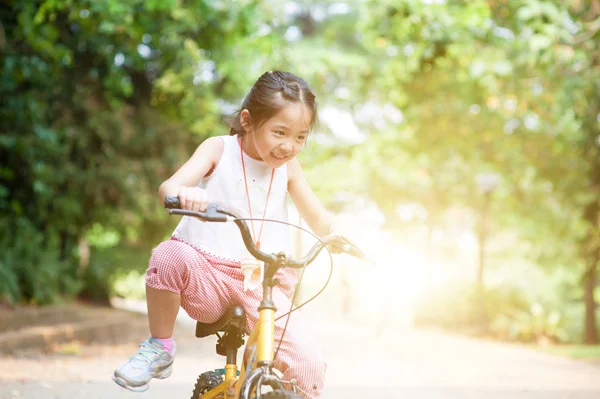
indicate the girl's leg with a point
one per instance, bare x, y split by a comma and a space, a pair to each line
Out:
300, 356
163, 306
179, 275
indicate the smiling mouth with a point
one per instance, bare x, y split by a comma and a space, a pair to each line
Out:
279, 157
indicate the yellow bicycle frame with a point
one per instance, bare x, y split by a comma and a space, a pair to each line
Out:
259, 348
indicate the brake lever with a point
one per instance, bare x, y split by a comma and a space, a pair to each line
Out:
353, 250
346, 246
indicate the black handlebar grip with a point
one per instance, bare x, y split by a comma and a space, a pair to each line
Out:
172, 203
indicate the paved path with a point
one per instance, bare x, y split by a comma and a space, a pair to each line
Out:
403, 363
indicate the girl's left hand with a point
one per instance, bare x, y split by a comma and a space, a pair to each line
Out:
345, 245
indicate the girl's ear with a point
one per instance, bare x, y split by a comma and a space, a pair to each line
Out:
245, 121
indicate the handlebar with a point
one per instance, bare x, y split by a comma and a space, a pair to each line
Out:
216, 213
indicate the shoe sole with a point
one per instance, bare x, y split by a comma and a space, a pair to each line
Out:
142, 388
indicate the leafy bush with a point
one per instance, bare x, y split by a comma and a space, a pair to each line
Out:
30, 269
535, 325
503, 312
114, 270
130, 285
86, 140
461, 307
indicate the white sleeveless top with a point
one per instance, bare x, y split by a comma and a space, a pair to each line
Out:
226, 186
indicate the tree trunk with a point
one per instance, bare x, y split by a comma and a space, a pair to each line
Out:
591, 248
591, 243
482, 238
591, 255
590, 335
591, 214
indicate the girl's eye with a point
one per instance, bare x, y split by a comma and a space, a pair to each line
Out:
279, 133
301, 138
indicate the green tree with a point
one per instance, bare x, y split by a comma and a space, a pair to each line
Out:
502, 87
100, 101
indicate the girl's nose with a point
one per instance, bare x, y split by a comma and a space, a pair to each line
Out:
286, 146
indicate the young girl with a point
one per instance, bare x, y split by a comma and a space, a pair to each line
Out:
198, 269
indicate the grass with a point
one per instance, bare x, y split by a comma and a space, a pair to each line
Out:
583, 352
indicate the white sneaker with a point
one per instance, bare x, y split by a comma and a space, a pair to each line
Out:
150, 361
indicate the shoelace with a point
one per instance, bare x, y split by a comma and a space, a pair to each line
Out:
146, 349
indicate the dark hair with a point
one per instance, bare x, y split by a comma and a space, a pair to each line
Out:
272, 92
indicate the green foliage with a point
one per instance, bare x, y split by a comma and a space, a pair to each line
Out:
500, 87
33, 276
535, 325
101, 101
504, 312
113, 268
575, 351
130, 284
462, 307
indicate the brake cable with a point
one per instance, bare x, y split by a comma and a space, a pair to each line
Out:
292, 300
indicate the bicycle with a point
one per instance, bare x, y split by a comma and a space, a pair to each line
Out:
257, 364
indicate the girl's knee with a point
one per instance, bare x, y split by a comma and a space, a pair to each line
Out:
309, 374
168, 266
309, 365
315, 365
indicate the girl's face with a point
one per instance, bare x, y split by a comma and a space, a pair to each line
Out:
281, 137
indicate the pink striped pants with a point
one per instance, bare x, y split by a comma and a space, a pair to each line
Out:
209, 286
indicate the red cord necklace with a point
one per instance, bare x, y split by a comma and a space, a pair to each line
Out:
248, 196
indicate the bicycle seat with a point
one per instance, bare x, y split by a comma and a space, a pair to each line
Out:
235, 317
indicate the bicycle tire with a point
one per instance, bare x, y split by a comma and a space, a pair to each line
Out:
206, 382
280, 394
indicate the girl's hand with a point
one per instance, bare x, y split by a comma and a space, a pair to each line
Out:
193, 199
345, 245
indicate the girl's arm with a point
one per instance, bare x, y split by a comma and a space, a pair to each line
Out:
204, 159
312, 211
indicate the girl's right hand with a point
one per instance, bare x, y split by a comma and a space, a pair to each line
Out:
193, 199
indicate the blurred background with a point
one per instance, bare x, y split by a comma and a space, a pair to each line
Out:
459, 141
